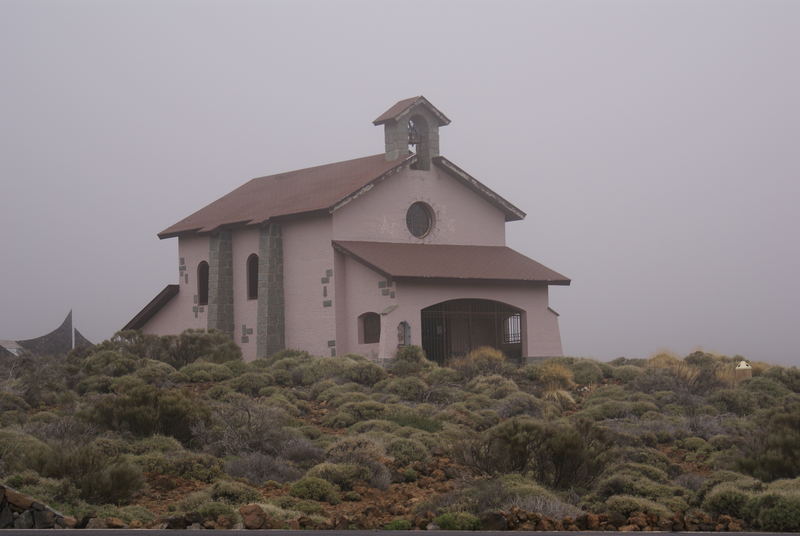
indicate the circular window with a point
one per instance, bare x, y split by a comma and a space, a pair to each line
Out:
419, 219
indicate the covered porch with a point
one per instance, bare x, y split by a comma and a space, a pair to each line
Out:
453, 328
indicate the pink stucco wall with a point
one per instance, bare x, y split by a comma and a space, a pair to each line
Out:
178, 314
462, 216
364, 294
540, 335
244, 243
307, 255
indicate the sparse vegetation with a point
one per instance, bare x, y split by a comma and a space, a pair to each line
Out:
142, 427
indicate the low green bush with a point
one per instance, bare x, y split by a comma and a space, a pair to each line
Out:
483, 361
213, 510
626, 373
586, 372
726, 499
494, 386
344, 475
405, 451
398, 524
364, 373
235, 493
774, 511
407, 388
203, 371
315, 489
184, 464
409, 360
110, 363
250, 383
457, 521
627, 505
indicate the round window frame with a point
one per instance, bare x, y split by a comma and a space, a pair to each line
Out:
431, 216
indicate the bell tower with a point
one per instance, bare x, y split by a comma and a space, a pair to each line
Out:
412, 126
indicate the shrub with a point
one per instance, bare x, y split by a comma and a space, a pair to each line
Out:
115, 483
398, 524
482, 361
203, 371
156, 443
626, 373
155, 372
494, 386
407, 388
354, 450
18, 448
442, 376
344, 475
405, 451
774, 451
100, 477
250, 383
315, 489
413, 419
457, 521
234, 493
409, 360
519, 403
185, 464
550, 375
556, 454
213, 510
774, 511
627, 505
364, 373
586, 372
146, 410
110, 363
258, 468
192, 345
11, 402
727, 499
366, 410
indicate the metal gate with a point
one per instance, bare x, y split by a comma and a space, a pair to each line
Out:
456, 327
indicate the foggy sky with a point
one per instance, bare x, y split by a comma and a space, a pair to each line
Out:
654, 146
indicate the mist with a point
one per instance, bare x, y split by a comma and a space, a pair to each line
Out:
653, 145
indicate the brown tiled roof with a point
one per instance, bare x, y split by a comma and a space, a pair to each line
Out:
155, 305
295, 192
440, 261
401, 106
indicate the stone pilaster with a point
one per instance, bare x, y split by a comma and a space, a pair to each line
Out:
271, 323
220, 282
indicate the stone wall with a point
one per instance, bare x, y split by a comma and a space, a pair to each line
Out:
220, 282
18, 511
271, 322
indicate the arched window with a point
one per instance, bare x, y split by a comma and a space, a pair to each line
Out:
403, 334
418, 138
202, 283
369, 328
252, 277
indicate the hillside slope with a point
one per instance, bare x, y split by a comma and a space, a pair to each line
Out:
176, 431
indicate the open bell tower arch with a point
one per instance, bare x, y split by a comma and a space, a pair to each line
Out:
412, 125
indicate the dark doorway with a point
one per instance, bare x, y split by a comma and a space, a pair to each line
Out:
456, 327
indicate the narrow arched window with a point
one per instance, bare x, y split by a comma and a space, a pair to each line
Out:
202, 283
369, 328
403, 333
252, 277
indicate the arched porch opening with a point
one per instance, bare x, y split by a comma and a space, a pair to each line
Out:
453, 328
